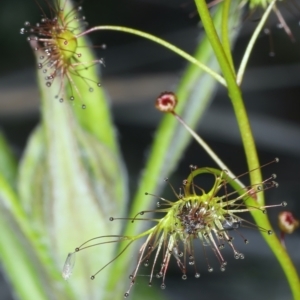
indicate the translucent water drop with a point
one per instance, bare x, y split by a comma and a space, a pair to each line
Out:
68, 266
162, 286
83, 106
197, 275
91, 90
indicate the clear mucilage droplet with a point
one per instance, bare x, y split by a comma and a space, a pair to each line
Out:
68, 266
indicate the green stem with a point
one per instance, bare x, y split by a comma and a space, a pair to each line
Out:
234, 93
251, 43
248, 142
163, 43
225, 32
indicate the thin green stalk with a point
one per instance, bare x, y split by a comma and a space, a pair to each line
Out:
163, 43
234, 93
245, 59
225, 32
248, 142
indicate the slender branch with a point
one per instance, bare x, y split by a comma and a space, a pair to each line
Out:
234, 94
225, 32
161, 42
245, 59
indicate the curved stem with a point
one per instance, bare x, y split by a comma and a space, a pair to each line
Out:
209, 151
251, 43
163, 43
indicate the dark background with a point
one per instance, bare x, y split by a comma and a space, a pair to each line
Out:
136, 72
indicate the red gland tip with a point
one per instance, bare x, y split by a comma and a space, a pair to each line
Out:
166, 102
287, 222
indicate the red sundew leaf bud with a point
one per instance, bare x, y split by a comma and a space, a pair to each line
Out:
287, 222
166, 102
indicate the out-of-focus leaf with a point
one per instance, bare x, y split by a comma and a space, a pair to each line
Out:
8, 163
72, 180
17, 244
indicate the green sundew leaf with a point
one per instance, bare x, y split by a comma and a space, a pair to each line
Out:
8, 163
195, 92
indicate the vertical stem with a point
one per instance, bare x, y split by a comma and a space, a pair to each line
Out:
248, 142
225, 33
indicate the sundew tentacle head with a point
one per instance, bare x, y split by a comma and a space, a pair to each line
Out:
207, 217
56, 41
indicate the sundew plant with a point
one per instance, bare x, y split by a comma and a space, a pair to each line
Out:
66, 230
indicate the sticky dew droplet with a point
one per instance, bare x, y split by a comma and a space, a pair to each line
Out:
68, 266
